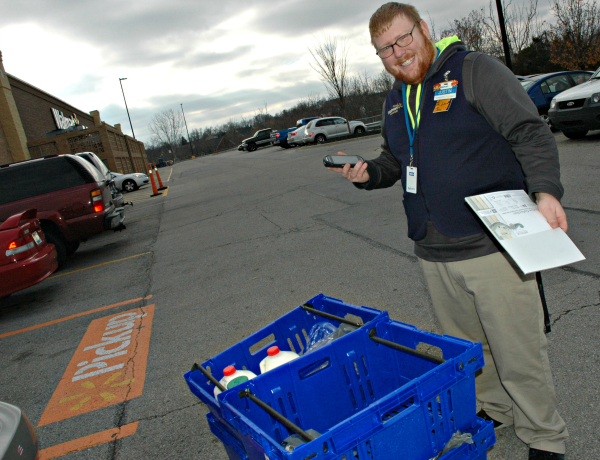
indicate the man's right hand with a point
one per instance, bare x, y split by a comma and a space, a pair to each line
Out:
357, 174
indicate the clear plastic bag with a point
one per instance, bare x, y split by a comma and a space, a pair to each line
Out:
324, 333
457, 439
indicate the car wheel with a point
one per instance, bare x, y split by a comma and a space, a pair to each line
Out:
251, 147
359, 131
575, 134
285, 145
130, 185
71, 247
59, 243
320, 139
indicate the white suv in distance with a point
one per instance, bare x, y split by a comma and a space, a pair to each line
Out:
320, 130
577, 110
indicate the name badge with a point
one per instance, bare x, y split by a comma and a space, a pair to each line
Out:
445, 90
411, 179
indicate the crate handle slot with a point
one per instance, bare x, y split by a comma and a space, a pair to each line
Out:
277, 416
309, 308
213, 380
313, 368
420, 354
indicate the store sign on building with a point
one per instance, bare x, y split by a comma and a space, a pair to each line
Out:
63, 122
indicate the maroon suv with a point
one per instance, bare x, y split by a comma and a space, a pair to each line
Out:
72, 198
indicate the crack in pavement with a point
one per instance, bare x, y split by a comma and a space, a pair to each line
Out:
581, 272
370, 241
566, 312
152, 417
120, 414
269, 220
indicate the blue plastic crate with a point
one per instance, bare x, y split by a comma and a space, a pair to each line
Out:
290, 332
234, 449
366, 399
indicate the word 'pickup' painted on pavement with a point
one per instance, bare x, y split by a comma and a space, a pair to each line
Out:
108, 367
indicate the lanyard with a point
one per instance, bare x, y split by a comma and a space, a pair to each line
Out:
413, 127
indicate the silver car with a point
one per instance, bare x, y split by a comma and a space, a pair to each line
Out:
320, 130
129, 182
296, 137
577, 110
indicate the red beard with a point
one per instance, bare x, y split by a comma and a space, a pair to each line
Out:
426, 56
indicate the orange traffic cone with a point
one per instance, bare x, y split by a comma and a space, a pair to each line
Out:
156, 192
162, 187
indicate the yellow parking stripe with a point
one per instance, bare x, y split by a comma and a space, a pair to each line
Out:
100, 265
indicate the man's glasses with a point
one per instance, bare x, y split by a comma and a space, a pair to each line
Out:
403, 41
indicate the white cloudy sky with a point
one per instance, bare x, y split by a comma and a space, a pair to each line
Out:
221, 59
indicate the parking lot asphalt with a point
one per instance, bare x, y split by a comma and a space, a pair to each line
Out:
238, 240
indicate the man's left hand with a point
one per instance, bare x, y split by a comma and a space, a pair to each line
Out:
552, 210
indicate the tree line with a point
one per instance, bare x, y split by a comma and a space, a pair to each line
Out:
571, 42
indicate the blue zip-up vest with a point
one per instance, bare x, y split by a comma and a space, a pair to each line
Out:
457, 154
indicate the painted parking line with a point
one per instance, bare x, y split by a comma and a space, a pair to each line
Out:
88, 441
108, 367
99, 265
66, 318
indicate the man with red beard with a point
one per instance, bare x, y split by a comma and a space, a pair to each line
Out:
458, 124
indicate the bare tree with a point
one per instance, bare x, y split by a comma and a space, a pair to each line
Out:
522, 24
576, 35
331, 63
472, 31
382, 83
167, 129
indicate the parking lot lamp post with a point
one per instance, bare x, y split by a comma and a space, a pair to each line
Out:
126, 108
186, 129
503, 33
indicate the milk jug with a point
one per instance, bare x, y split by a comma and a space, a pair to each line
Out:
232, 377
275, 358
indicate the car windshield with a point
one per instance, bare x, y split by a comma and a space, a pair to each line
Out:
596, 75
526, 83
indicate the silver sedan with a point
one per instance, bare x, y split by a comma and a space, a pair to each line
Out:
129, 182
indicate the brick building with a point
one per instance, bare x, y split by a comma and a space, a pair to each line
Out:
34, 124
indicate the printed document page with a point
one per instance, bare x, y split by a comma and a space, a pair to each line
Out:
516, 223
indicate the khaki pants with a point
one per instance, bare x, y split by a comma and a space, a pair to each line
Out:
487, 300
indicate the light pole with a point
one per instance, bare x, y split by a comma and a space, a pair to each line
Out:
120, 80
186, 130
504, 36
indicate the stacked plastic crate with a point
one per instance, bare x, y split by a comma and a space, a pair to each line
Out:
386, 390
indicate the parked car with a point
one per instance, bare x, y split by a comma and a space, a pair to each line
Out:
261, 138
26, 258
542, 88
72, 199
94, 159
320, 130
18, 439
296, 137
281, 137
577, 110
129, 182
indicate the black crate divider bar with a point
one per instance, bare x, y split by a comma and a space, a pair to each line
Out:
268, 409
420, 354
276, 415
309, 308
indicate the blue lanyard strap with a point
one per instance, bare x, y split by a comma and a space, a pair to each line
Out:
412, 131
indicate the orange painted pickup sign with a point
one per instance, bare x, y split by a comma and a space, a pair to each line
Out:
108, 367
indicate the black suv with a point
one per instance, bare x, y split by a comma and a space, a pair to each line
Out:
72, 198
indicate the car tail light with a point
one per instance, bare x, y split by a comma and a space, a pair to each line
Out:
276, 135
293, 134
97, 200
310, 135
19, 245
